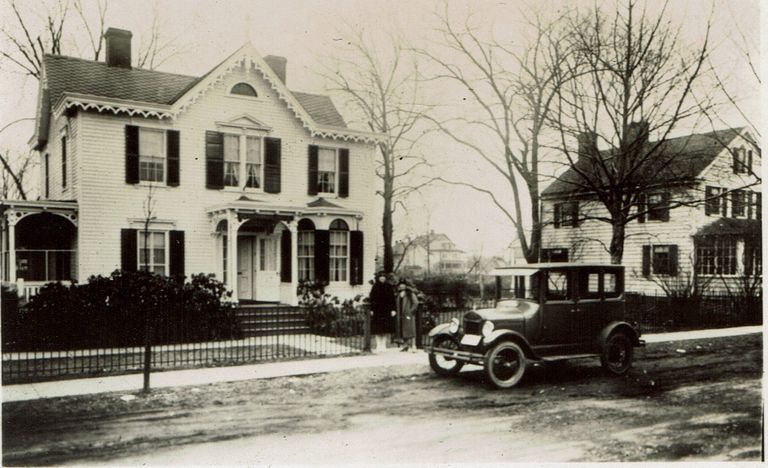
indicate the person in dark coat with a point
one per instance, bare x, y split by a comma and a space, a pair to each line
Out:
405, 319
382, 299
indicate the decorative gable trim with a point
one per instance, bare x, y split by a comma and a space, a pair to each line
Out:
116, 106
248, 57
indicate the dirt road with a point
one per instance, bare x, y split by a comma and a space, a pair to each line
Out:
691, 400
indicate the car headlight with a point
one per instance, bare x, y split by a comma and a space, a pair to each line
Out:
487, 328
454, 326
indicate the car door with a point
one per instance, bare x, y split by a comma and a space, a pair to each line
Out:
560, 314
590, 304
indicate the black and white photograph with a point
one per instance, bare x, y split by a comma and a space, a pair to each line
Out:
381, 233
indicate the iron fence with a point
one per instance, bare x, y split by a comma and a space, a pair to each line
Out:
263, 334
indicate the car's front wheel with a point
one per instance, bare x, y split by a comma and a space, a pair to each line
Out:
617, 354
443, 365
505, 364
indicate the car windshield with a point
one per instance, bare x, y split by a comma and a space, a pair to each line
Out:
520, 286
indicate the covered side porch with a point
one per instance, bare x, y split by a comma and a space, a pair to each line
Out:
38, 241
263, 250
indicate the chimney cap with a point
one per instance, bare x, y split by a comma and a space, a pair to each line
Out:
118, 32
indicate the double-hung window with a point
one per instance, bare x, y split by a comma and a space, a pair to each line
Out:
152, 252
738, 203
326, 170
253, 162
339, 250
658, 206
712, 202
231, 160
151, 155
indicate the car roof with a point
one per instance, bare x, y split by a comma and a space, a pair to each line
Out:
512, 269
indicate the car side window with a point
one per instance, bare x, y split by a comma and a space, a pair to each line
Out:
611, 285
589, 285
557, 286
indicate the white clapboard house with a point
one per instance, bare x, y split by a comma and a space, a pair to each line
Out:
715, 239
258, 184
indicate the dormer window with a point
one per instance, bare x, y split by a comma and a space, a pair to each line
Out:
742, 161
244, 89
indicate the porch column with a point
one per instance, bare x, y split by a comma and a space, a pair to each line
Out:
11, 246
232, 227
293, 228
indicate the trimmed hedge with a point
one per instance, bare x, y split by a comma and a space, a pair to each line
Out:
115, 311
330, 316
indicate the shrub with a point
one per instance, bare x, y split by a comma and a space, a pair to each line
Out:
448, 291
330, 316
116, 310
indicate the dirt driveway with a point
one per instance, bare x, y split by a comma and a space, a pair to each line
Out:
691, 400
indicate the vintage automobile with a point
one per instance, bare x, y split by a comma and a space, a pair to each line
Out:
544, 312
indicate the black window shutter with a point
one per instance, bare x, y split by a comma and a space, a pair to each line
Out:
758, 205
356, 257
176, 253
322, 263
664, 212
131, 154
641, 208
214, 160
735, 153
749, 204
272, 150
312, 173
724, 201
673, 260
749, 163
709, 202
285, 256
646, 260
558, 207
343, 173
575, 214
128, 252
64, 162
172, 147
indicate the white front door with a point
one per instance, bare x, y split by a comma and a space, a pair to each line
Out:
245, 267
267, 275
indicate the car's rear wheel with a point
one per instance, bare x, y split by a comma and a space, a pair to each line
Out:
505, 364
617, 354
443, 365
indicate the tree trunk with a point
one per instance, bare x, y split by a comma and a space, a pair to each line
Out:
617, 242
386, 228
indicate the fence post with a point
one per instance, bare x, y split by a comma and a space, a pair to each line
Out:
366, 328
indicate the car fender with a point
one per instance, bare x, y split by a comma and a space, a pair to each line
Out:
441, 329
511, 335
619, 326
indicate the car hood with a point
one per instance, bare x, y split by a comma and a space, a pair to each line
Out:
506, 310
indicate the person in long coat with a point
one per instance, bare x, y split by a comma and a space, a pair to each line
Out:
382, 299
405, 319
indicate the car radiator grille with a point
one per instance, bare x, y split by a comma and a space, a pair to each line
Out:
472, 327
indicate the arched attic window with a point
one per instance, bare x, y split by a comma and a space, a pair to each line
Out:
339, 250
244, 89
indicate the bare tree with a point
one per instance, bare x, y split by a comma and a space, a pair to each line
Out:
382, 87
27, 43
149, 216
95, 31
512, 91
629, 76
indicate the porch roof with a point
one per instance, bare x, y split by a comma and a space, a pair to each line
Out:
56, 206
731, 227
246, 205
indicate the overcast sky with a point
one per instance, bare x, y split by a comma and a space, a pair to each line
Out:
303, 31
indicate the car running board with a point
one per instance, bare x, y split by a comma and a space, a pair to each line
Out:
569, 356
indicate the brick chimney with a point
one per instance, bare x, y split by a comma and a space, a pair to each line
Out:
637, 133
587, 143
278, 65
118, 50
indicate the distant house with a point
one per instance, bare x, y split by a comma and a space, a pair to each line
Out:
429, 254
716, 243
258, 184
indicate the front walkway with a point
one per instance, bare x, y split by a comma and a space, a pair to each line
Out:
133, 382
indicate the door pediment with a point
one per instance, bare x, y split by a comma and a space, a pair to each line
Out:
245, 122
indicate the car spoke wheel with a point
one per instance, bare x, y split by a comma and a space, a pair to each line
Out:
617, 354
443, 365
505, 364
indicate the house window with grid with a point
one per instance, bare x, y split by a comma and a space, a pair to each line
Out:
326, 170
664, 259
152, 252
339, 248
738, 203
566, 214
253, 162
151, 155
306, 250
658, 206
231, 160
716, 256
712, 203
742, 161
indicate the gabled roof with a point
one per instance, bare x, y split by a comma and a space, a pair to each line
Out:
692, 154
432, 239
159, 92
